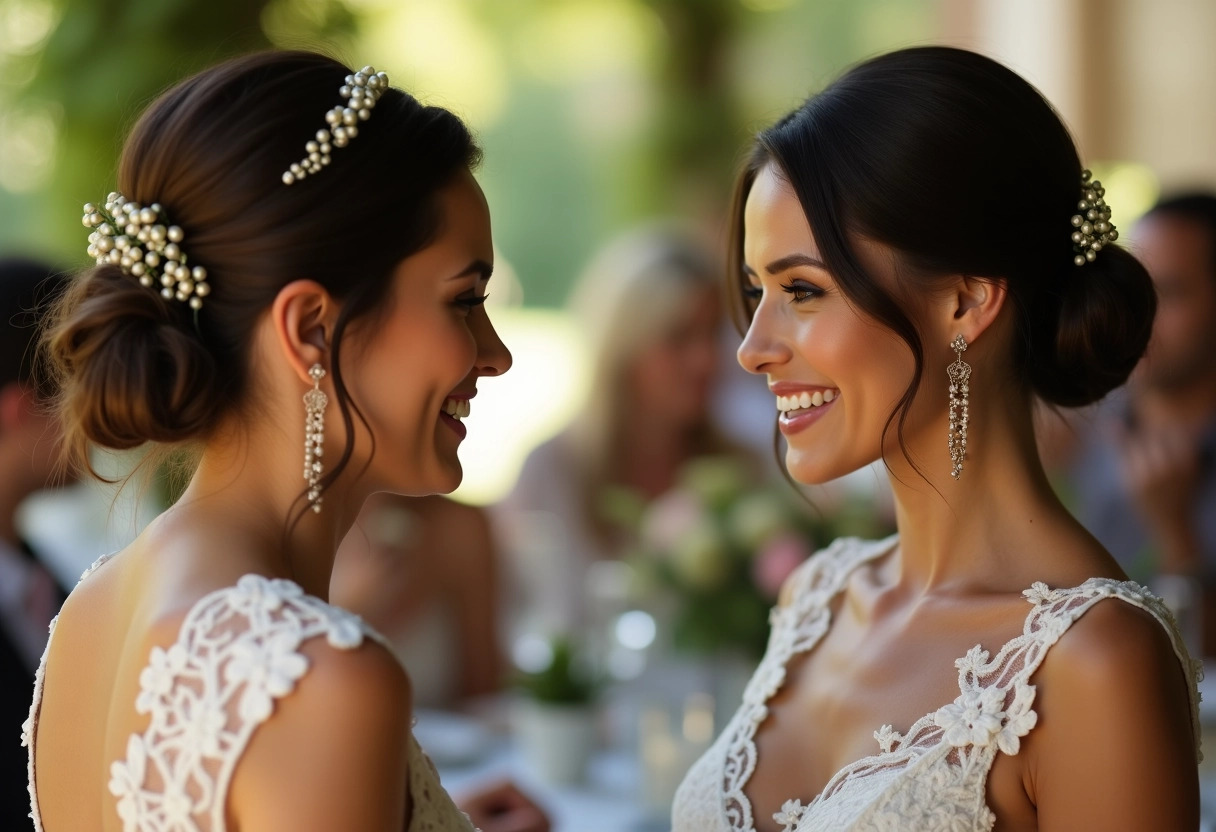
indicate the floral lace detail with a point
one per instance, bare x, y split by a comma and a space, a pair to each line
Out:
433, 810
796, 628
238, 651
887, 736
979, 716
790, 815
934, 776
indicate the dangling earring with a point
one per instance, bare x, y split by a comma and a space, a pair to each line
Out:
315, 401
960, 374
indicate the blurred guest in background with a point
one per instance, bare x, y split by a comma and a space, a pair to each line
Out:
423, 572
649, 306
29, 595
1145, 478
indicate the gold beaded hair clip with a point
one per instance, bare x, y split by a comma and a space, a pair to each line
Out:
133, 237
362, 90
1093, 228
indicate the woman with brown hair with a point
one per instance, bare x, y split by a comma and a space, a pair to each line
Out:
289, 279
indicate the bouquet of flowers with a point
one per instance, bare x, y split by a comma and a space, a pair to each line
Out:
716, 548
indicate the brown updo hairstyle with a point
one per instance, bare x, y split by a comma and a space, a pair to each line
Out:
132, 367
960, 167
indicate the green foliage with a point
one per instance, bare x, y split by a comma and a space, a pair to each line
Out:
102, 64
564, 682
576, 154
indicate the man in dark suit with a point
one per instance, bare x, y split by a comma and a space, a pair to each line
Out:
29, 595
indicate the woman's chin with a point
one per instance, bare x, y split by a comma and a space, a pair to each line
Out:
448, 476
811, 471
443, 477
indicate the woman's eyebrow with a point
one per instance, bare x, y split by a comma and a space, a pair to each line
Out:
792, 260
478, 267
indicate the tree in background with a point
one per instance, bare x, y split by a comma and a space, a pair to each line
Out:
607, 113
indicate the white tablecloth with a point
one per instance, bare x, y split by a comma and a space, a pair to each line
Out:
608, 802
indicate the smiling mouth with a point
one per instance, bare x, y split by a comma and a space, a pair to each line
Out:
796, 403
457, 408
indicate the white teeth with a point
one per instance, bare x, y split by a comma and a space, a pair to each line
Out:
804, 400
457, 408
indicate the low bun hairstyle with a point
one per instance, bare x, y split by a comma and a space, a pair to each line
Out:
1094, 331
130, 372
133, 367
961, 167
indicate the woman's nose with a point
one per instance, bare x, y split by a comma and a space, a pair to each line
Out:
762, 348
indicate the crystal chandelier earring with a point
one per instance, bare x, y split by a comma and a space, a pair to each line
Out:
959, 373
315, 401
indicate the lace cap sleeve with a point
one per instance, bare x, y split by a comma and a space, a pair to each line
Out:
238, 652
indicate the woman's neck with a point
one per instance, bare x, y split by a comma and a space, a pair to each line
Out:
245, 490
975, 533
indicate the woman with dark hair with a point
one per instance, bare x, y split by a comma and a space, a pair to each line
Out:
284, 228
929, 202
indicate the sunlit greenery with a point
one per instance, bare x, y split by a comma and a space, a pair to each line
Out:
594, 114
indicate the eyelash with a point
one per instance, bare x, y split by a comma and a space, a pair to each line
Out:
801, 292
471, 303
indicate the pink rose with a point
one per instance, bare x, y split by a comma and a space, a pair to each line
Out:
670, 519
776, 560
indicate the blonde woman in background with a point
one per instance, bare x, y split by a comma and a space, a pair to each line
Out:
649, 306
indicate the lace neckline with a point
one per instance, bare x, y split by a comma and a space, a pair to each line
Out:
992, 712
810, 608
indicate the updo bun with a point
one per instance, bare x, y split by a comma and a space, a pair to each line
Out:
130, 371
134, 367
1104, 317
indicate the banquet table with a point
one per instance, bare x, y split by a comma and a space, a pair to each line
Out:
607, 801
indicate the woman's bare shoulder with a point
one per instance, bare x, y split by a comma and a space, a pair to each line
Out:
333, 755
1114, 747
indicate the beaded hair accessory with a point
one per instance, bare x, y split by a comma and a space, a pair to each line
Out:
134, 238
1093, 226
363, 90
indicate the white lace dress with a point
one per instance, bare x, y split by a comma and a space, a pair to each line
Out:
237, 652
931, 778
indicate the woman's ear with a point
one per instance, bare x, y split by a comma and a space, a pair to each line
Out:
303, 316
975, 303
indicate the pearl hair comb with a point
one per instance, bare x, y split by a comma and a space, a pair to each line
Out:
134, 238
1092, 226
362, 90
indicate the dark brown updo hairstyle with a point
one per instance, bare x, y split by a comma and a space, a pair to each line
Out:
135, 368
961, 167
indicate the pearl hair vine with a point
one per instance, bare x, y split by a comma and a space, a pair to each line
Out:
1093, 229
137, 240
362, 90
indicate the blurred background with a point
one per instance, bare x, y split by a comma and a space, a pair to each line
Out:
595, 115
626, 568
